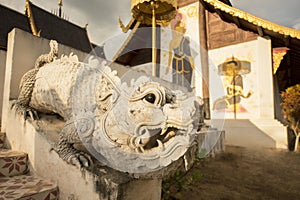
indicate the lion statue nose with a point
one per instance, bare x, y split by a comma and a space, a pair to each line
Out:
181, 113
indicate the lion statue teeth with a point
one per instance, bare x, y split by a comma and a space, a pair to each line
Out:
136, 127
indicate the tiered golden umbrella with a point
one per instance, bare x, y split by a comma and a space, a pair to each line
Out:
153, 12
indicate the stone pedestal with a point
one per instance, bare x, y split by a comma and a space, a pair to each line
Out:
210, 142
37, 139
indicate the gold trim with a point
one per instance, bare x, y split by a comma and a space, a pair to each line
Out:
278, 54
127, 41
154, 6
127, 27
277, 58
28, 12
136, 2
254, 20
165, 11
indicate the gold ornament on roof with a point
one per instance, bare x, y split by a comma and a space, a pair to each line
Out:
278, 54
153, 12
60, 3
142, 10
28, 12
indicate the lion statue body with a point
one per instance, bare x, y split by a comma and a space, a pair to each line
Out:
135, 127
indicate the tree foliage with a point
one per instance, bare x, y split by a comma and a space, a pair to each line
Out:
291, 106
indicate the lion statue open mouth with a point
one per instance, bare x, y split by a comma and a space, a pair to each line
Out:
145, 125
135, 127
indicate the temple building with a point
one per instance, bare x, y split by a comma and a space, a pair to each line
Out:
240, 64
237, 62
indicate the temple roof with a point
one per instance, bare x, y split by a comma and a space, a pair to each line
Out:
136, 49
11, 19
281, 36
41, 23
50, 26
265, 24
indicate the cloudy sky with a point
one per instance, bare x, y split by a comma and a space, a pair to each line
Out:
102, 15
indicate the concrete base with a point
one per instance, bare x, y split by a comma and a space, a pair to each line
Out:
37, 140
266, 133
211, 141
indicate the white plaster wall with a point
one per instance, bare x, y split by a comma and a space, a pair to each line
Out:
191, 20
265, 78
22, 51
191, 12
2, 75
259, 80
256, 127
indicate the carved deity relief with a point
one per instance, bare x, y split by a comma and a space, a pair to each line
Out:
233, 70
180, 57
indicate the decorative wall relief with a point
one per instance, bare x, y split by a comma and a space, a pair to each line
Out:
233, 71
180, 48
180, 53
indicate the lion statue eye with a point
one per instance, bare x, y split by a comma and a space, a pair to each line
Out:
150, 98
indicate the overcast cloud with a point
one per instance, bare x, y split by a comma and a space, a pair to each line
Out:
102, 15
281, 12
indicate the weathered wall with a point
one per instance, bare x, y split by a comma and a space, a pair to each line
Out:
22, 51
257, 78
252, 124
2, 75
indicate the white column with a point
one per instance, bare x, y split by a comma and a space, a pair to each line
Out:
265, 78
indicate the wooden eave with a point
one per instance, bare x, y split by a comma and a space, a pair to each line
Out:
249, 22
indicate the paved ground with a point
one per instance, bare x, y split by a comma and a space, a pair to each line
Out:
239, 173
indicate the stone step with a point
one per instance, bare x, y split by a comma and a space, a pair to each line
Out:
13, 163
2, 140
25, 187
255, 133
267, 122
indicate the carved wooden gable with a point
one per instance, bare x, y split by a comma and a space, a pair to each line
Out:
221, 33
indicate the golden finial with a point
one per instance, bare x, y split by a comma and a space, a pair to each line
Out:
59, 8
